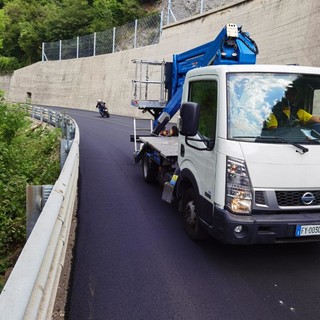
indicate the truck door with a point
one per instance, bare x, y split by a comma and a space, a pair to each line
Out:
205, 92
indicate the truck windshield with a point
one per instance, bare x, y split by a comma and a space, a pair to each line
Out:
264, 107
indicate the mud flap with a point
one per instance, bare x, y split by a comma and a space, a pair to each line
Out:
167, 193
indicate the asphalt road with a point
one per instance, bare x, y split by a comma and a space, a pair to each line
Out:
132, 259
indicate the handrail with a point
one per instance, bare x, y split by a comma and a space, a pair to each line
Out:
31, 289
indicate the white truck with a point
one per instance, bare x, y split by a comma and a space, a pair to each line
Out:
236, 176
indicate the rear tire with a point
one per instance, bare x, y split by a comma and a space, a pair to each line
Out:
191, 209
149, 169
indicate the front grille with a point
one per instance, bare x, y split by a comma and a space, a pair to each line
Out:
293, 198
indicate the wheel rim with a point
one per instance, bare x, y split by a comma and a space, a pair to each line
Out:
191, 215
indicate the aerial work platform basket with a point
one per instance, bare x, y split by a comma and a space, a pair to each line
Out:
150, 88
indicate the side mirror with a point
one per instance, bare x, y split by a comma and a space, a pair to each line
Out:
189, 119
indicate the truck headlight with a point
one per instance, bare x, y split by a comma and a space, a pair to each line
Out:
238, 187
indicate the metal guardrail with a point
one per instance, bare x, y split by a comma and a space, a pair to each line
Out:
31, 289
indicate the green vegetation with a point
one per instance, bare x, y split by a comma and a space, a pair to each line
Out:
26, 24
29, 154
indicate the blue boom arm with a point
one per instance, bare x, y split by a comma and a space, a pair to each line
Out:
231, 46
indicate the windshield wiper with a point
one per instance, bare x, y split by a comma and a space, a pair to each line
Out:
301, 148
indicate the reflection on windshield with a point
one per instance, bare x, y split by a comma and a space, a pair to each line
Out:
267, 104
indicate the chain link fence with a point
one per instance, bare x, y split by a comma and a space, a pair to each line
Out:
138, 33
176, 10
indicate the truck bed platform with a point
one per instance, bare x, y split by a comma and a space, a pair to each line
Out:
166, 146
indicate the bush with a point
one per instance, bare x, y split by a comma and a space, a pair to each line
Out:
8, 65
28, 155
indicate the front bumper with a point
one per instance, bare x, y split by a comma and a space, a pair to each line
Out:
261, 228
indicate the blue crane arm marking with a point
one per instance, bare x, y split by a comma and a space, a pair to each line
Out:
240, 49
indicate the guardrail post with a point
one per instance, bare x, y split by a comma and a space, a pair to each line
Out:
65, 146
49, 117
36, 199
33, 209
33, 112
41, 115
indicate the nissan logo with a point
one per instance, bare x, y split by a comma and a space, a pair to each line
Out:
308, 198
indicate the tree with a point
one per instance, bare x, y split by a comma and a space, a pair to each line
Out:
102, 15
127, 10
1, 26
26, 24
110, 13
70, 19
23, 30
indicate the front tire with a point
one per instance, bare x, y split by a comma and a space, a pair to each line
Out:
192, 224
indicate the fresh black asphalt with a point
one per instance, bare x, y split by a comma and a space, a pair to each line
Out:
133, 261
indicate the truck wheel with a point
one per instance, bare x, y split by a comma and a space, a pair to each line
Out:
192, 224
149, 169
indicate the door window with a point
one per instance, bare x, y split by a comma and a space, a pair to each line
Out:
204, 92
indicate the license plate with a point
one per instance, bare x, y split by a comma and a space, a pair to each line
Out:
307, 230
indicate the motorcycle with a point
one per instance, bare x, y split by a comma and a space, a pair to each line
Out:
104, 112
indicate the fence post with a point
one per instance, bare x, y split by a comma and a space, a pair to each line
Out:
170, 12
77, 47
161, 22
60, 49
201, 7
135, 33
113, 39
94, 43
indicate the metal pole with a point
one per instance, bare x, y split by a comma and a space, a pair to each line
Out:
94, 43
60, 49
201, 7
140, 81
161, 22
77, 47
162, 81
135, 33
114, 39
42, 56
170, 12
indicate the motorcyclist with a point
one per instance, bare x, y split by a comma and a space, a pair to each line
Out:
101, 105
103, 110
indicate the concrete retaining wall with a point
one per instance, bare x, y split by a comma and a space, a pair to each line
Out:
286, 32
5, 83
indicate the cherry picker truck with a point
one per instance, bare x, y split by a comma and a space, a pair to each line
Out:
233, 175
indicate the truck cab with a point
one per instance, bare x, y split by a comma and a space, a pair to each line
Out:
240, 179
